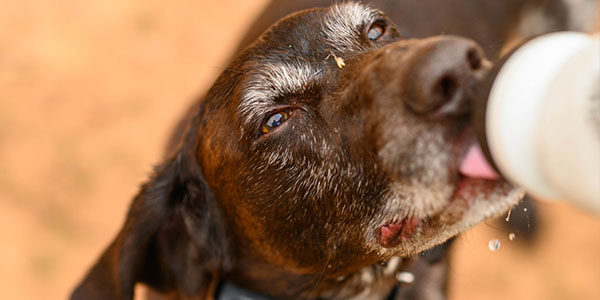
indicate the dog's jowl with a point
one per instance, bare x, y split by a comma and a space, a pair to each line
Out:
319, 163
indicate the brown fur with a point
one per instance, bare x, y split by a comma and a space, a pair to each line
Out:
297, 213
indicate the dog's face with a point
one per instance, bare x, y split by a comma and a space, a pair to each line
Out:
316, 163
330, 144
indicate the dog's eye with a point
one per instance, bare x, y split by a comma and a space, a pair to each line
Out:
376, 31
273, 121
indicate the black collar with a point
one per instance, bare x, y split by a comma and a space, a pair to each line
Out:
229, 291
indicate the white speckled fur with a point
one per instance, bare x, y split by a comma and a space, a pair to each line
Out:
342, 25
271, 81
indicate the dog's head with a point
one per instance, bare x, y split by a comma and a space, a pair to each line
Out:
330, 144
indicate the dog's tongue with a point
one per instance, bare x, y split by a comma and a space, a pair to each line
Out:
475, 165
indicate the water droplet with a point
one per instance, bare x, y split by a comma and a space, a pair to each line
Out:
494, 245
508, 217
405, 277
512, 236
525, 209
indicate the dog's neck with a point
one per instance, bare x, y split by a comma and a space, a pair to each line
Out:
377, 281
229, 291
389, 280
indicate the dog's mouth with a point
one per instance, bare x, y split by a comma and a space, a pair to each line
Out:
476, 180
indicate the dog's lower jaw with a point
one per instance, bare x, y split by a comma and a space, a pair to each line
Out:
471, 204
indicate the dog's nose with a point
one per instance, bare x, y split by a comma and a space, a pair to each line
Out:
442, 75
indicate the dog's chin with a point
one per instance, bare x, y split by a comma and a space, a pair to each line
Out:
472, 200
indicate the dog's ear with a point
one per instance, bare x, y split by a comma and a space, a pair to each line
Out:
173, 239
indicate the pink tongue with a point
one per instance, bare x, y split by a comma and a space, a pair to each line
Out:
475, 165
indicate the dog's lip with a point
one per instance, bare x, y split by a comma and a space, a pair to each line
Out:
470, 187
394, 232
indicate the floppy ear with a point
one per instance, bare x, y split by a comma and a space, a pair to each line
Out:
173, 239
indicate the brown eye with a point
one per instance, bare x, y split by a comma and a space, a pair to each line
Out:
273, 121
376, 31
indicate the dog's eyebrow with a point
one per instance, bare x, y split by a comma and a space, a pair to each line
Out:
341, 25
272, 81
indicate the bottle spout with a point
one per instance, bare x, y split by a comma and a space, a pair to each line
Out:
480, 106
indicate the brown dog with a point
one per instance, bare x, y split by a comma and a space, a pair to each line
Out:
322, 160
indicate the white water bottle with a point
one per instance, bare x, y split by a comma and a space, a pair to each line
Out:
542, 118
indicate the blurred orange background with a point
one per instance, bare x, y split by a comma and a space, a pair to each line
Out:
89, 93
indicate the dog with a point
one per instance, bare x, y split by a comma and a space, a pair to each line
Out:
497, 26
320, 164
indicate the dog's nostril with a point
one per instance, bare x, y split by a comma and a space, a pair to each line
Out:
474, 59
445, 88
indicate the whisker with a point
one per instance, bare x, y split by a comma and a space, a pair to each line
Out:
320, 276
324, 268
494, 227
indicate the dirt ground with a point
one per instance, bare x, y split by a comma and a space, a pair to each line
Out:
89, 91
